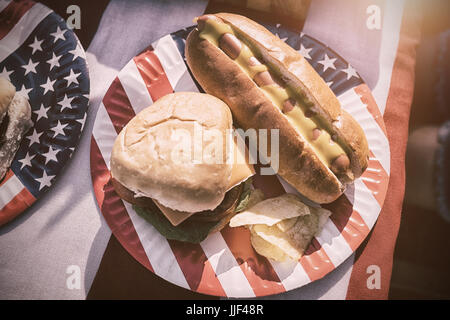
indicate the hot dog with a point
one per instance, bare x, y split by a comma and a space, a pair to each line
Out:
269, 85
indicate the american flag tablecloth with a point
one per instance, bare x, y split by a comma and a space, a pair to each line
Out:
64, 234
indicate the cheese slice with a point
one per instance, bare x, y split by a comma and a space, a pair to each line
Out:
241, 171
175, 217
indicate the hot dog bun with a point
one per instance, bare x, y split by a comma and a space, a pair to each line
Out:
269, 85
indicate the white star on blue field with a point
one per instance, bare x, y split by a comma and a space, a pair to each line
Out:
49, 69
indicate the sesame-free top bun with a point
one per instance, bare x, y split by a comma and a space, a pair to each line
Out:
7, 92
147, 156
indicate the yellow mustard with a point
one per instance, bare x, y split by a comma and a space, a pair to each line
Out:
325, 148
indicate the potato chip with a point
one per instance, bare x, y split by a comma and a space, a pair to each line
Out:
307, 227
293, 236
286, 224
278, 238
271, 211
282, 227
303, 231
267, 249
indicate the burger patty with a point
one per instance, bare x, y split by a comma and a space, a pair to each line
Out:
226, 207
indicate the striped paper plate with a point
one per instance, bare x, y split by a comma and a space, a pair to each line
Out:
225, 264
46, 63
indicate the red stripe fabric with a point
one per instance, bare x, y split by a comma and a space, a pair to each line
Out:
11, 15
378, 249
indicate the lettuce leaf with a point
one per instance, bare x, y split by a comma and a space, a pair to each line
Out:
188, 230
245, 196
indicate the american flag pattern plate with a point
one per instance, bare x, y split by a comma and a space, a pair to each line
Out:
46, 63
225, 264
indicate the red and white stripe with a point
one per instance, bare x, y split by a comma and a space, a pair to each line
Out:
27, 15
374, 130
134, 87
14, 197
230, 275
224, 264
173, 64
164, 263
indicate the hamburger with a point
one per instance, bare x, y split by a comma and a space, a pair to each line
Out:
15, 121
155, 166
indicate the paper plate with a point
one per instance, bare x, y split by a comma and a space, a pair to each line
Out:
46, 63
225, 264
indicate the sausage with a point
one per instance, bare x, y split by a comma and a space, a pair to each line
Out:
201, 21
316, 133
230, 45
228, 42
264, 79
334, 138
341, 164
288, 105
